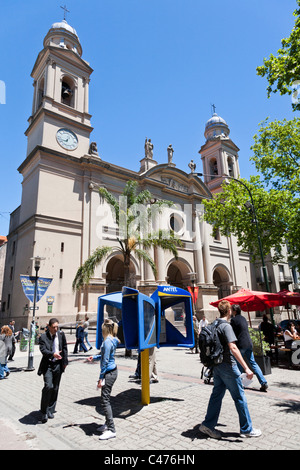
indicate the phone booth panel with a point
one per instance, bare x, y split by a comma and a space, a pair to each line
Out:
139, 320
110, 306
175, 313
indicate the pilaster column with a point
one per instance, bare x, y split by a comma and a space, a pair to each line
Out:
198, 250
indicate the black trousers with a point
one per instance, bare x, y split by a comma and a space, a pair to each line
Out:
51, 385
110, 378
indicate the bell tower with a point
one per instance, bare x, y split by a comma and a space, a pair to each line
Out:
219, 154
60, 118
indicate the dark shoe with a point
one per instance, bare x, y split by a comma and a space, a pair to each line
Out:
50, 415
44, 418
264, 387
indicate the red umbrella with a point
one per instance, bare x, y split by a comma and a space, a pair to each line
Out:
250, 301
289, 297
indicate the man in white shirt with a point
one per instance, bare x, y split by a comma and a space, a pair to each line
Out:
53, 346
203, 322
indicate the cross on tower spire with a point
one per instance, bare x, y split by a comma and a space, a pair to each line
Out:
213, 108
65, 11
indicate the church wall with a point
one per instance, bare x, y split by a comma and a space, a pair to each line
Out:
30, 186
59, 191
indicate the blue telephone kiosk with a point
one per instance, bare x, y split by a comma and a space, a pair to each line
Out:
139, 319
174, 306
113, 304
146, 322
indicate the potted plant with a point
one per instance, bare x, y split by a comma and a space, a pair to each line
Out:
260, 348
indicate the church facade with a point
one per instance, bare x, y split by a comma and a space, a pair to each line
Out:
62, 217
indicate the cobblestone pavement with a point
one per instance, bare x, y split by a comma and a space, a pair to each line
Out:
169, 422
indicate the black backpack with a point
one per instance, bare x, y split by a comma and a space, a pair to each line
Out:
210, 346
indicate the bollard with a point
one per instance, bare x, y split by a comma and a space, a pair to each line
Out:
145, 377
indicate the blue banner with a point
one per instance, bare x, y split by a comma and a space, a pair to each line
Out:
28, 284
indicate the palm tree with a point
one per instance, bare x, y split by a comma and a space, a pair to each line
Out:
136, 237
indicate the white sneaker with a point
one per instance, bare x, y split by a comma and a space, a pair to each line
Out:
102, 428
253, 433
210, 432
107, 435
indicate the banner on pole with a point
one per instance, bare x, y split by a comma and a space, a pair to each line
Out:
194, 293
28, 284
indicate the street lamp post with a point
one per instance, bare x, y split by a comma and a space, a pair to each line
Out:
37, 265
251, 206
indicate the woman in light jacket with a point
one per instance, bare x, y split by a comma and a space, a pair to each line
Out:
6, 346
108, 375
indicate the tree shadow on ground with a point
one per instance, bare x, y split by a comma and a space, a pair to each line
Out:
291, 385
290, 406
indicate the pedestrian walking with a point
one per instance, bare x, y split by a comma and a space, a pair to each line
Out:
196, 334
245, 345
53, 346
108, 375
13, 350
80, 339
86, 332
202, 323
227, 376
153, 374
6, 341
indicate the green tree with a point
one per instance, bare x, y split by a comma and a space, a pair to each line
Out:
283, 70
136, 234
276, 154
227, 212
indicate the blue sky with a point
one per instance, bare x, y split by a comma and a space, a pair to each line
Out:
158, 67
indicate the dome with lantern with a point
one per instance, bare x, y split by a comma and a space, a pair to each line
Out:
216, 127
63, 35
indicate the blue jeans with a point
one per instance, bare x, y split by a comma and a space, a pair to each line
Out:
3, 368
249, 357
227, 376
86, 339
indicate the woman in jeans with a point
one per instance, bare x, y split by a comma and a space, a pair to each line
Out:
108, 375
7, 339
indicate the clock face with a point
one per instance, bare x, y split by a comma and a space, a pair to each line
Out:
67, 139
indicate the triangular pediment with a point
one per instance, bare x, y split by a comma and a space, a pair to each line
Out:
174, 180
61, 54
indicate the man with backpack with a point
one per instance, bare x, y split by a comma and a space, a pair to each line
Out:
227, 377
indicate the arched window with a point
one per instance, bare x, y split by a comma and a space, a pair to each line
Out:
213, 168
40, 92
230, 164
68, 91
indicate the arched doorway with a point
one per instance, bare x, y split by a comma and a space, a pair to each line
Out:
221, 279
115, 274
177, 274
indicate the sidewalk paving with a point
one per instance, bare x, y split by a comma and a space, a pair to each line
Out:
170, 422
